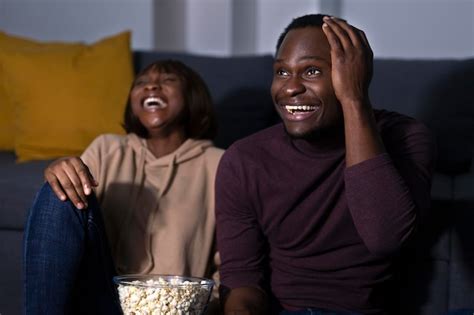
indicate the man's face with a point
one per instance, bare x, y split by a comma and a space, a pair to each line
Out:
302, 88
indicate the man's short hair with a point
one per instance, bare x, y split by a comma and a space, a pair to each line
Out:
314, 20
200, 120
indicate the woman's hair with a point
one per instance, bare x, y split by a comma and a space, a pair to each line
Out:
200, 121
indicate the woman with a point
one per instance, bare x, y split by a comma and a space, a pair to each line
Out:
152, 190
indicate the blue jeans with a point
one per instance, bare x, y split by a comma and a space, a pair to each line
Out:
312, 311
67, 265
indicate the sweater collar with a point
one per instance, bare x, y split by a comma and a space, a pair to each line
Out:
324, 145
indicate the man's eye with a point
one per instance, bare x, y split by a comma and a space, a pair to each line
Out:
281, 72
312, 71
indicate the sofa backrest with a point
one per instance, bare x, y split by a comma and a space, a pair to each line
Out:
439, 93
240, 88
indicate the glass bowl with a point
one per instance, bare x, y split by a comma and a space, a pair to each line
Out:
163, 294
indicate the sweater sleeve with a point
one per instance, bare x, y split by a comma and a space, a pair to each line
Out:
239, 239
389, 194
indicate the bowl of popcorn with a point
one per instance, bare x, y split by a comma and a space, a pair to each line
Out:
163, 294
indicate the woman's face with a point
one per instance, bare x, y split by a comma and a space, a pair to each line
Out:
157, 100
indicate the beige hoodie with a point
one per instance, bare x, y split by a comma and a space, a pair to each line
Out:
158, 212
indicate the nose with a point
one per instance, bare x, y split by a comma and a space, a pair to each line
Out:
152, 85
294, 86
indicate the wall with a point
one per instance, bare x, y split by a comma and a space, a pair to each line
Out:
395, 28
78, 20
416, 28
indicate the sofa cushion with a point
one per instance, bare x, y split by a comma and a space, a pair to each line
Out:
10, 273
15, 43
461, 285
18, 186
442, 186
437, 92
464, 187
67, 98
424, 288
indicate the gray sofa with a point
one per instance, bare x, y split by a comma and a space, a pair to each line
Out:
436, 273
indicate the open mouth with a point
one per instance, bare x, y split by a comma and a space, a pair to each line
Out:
153, 103
296, 109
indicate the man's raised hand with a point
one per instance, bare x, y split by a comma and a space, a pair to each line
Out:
352, 61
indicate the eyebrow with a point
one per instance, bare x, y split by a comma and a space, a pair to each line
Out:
308, 58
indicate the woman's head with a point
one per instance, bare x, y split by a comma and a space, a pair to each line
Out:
168, 95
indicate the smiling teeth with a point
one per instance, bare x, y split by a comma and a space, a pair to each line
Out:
154, 102
299, 108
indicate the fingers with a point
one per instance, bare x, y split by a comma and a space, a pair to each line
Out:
347, 42
78, 189
54, 183
338, 35
215, 289
366, 42
62, 184
216, 275
70, 179
81, 171
351, 60
217, 259
332, 37
343, 35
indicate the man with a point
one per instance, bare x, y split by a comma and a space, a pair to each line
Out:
312, 212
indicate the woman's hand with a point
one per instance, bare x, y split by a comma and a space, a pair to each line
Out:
352, 61
70, 179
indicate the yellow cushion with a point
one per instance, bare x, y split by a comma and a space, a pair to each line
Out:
15, 43
63, 99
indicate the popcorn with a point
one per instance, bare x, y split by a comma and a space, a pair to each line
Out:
160, 295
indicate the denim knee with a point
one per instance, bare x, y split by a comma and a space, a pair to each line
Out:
51, 210
53, 246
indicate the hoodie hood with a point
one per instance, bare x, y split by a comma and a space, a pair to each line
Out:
187, 150
147, 162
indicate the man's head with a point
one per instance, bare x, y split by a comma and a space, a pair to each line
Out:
302, 89
310, 20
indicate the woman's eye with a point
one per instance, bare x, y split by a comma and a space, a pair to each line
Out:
170, 78
139, 82
312, 72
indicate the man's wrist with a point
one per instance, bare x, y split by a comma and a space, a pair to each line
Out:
245, 300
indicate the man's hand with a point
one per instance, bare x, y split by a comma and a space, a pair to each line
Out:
352, 61
245, 301
70, 179
216, 276
352, 64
